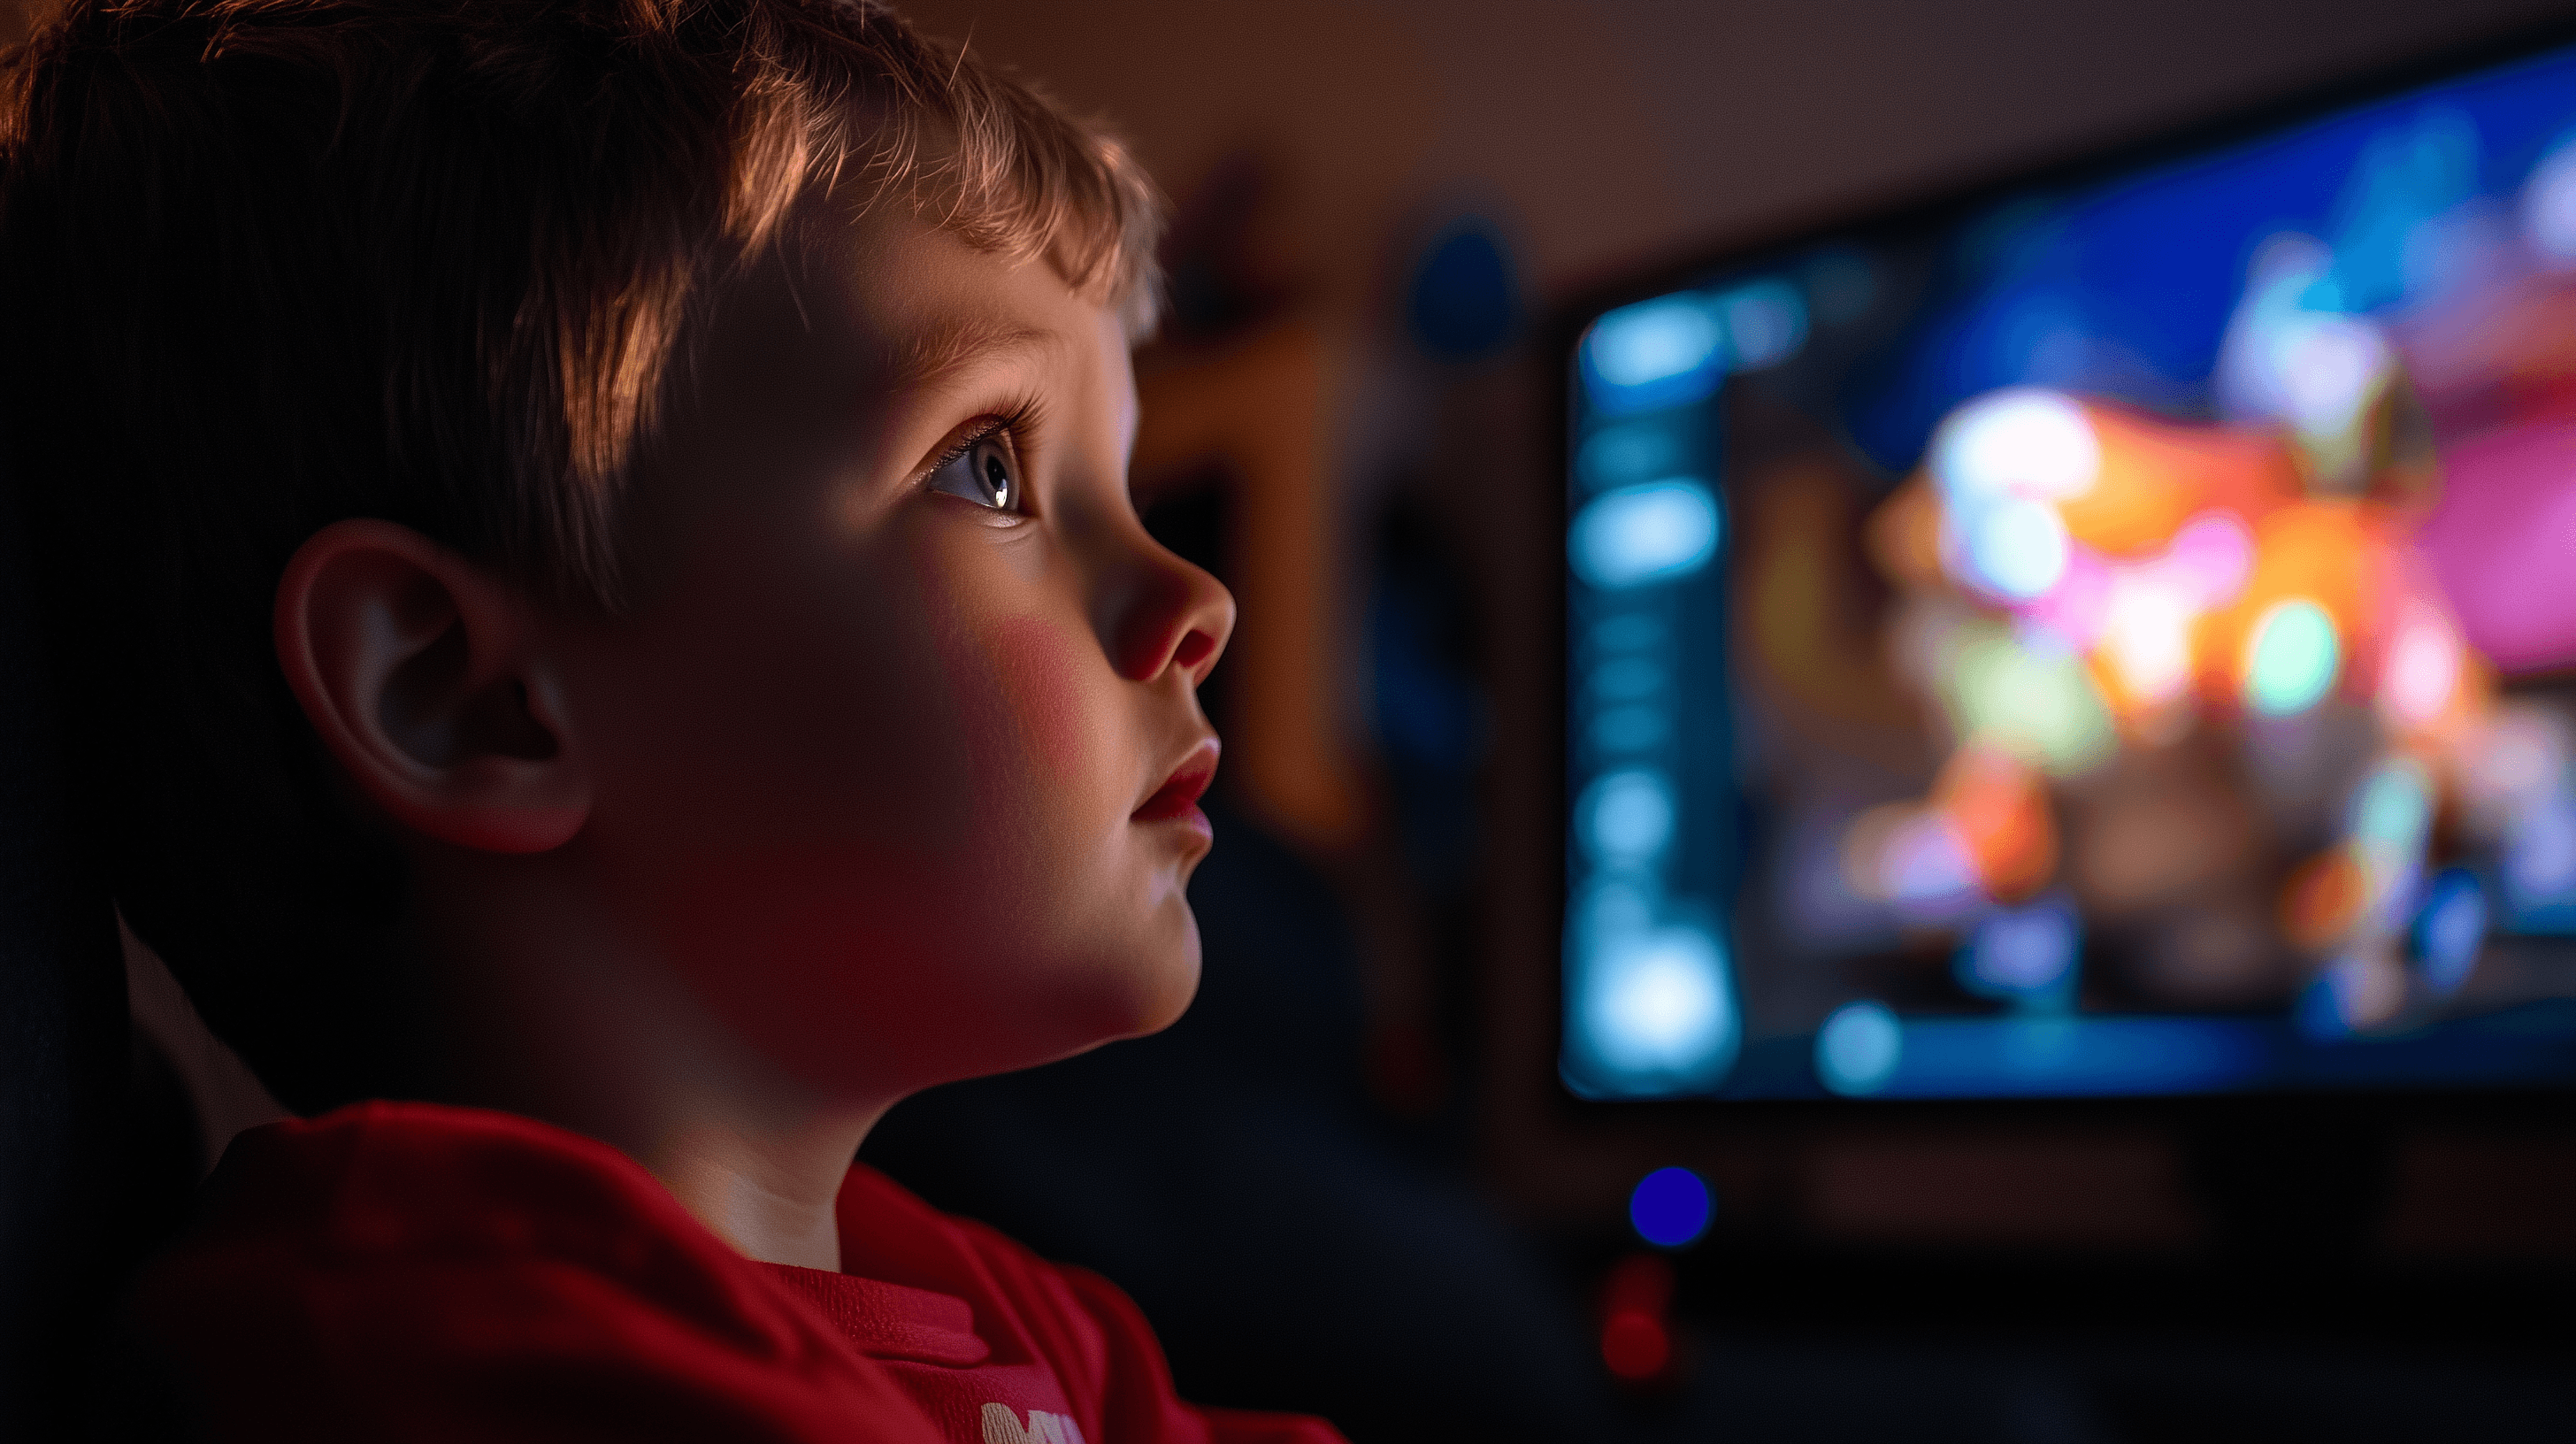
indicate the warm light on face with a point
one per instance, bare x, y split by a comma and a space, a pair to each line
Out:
901, 765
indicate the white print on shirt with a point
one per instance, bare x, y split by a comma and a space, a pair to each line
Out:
1002, 1426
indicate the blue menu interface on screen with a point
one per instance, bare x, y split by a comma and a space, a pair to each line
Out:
2113, 637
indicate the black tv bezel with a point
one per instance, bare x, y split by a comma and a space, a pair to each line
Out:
1927, 208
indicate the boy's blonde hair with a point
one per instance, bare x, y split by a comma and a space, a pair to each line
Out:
272, 263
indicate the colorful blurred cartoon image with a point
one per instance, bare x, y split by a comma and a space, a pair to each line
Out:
2113, 641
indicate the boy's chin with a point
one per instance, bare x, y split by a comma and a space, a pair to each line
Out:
1180, 983
1149, 991
1155, 988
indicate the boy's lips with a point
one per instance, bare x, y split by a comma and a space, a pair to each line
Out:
1179, 795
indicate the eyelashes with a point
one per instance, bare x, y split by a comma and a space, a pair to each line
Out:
957, 450
1022, 417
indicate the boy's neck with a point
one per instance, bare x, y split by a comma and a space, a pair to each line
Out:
771, 1198
552, 1016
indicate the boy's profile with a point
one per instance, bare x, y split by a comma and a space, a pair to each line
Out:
590, 545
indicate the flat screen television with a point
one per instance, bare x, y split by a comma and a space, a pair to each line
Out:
2107, 635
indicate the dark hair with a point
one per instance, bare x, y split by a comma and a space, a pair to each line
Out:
274, 263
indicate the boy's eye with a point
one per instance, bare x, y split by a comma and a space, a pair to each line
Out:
986, 471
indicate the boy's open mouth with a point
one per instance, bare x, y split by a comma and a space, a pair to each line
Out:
1179, 795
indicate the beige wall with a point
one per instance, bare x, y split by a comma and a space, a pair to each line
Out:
1614, 134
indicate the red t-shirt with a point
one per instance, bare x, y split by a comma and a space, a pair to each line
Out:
402, 1271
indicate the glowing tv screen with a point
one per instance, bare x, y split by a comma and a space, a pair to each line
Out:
2108, 636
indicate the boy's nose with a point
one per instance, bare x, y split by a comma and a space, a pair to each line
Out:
1173, 616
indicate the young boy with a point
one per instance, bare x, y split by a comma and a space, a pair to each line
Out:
592, 542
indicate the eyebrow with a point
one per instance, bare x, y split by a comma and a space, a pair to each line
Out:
931, 355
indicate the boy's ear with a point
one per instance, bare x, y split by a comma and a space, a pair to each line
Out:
424, 676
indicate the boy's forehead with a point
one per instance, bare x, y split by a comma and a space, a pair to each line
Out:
935, 306
941, 345
861, 330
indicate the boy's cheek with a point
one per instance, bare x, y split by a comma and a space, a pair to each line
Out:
882, 830
766, 712
1039, 696
1037, 705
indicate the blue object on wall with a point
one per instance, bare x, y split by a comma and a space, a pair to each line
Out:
1464, 302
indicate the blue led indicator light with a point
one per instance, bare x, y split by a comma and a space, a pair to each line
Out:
1670, 1207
